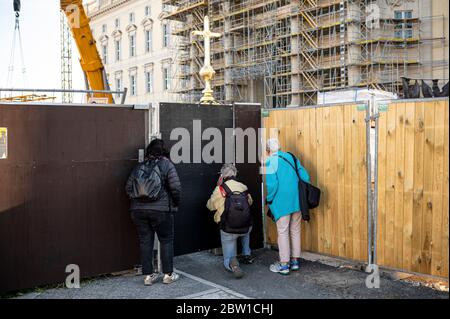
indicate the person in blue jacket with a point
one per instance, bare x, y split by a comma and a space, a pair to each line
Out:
283, 200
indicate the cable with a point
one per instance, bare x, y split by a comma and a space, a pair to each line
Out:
24, 70
17, 34
11, 58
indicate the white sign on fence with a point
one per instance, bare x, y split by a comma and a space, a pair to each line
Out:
3, 143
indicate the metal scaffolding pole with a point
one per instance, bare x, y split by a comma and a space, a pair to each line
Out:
66, 59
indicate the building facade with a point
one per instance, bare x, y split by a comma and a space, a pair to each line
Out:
136, 46
285, 52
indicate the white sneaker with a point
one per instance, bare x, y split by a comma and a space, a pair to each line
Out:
170, 279
280, 268
150, 279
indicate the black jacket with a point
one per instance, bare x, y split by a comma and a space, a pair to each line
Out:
170, 195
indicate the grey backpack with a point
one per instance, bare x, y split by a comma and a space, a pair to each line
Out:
146, 181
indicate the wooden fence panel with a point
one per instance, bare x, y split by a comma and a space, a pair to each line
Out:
413, 187
413, 181
331, 144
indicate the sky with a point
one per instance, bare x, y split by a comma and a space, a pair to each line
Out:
39, 25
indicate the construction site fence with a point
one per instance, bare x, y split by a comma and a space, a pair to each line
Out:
382, 167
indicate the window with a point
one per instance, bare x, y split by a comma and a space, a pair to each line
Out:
105, 53
147, 11
117, 23
166, 35
166, 79
118, 44
133, 85
104, 28
403, 14
148, 40
118, 85
132, 45
131, 17
149, 81
403, 29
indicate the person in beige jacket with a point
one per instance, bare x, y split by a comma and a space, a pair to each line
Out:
216, 203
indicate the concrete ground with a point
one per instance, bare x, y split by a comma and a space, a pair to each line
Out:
203, 276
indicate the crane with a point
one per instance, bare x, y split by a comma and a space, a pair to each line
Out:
90, 60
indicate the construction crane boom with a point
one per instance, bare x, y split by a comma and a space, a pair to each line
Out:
90, 60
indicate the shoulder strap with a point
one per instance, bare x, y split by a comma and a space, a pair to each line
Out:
156, 163
290, 164
295, 162
226, 188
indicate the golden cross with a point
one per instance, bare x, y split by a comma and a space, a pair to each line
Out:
207, 72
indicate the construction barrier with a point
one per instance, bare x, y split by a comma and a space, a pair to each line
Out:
62, 198
331, 144
413, 187
409, 187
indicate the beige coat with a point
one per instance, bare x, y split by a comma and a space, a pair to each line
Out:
217, 200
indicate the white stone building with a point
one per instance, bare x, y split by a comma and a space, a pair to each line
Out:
137, 47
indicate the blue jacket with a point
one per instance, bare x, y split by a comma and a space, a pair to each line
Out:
282, 184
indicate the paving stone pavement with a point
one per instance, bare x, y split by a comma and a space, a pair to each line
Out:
211, 294
202, 276
130, 286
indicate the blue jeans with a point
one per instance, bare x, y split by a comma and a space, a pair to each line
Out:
229, 246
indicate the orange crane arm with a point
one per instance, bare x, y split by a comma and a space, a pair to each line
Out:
90, 60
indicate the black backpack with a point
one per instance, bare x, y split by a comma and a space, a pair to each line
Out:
146, 181
236, 217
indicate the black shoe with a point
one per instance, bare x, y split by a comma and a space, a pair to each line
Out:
248, 260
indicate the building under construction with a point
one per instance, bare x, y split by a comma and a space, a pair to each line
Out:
285, 52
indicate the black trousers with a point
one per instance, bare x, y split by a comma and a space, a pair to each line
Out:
149, 222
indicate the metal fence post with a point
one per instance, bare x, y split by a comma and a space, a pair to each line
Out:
376, 116
369, 183
262, 140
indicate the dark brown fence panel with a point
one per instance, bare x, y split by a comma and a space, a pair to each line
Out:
62, 197
195, 228
248, 117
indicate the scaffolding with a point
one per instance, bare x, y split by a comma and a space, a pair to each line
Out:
66, 59
293, 49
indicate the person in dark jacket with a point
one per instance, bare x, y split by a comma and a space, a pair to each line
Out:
157, 216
